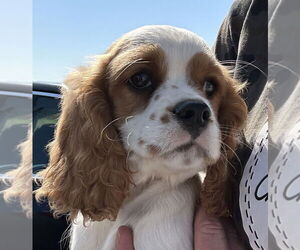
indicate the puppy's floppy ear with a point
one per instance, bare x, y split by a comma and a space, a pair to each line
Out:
87, 169
216, 194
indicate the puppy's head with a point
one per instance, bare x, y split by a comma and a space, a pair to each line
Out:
157, 104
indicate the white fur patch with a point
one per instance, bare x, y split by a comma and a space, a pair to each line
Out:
179, 46
160, 214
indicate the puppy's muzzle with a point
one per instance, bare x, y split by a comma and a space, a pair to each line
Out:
193, 116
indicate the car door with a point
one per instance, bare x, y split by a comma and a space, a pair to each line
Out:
47, 231
15, 120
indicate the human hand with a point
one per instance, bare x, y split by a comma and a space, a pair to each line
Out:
210, 233
124, 238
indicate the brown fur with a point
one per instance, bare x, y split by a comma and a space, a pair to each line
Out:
87, 170
153, 149
165, 118
126, 100
231, 111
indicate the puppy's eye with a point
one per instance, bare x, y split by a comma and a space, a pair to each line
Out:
209, 88
140, 80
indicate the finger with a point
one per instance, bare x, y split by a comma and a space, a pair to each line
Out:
209, 233
234, 240
124, 239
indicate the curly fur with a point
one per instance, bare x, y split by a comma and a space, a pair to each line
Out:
20, 180
87, 172
216, 189
88, 176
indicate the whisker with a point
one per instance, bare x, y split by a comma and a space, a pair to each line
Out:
227, 126
127, 139
224, 126
231, 165
127, 157
101, 134
226, 162
235, 131
285, 67
127, 118
245, 63
65, 237
112, 139
224, 157
232, 152
140, 60
241, 142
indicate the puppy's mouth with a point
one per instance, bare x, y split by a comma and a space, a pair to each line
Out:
185, 148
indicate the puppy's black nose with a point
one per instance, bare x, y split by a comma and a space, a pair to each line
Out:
192, 115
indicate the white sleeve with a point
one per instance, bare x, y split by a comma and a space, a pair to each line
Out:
284, 193
254, 193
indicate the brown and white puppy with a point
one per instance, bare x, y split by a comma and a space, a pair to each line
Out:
136, 128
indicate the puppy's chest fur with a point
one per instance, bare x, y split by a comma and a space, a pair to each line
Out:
160, 216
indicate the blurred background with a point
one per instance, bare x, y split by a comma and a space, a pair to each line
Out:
42, 40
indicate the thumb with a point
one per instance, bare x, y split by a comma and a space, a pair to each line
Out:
209, 232
124, 239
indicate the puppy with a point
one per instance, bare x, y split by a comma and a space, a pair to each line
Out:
136, 128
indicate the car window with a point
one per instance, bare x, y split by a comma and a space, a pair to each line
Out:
15, 117
45, 114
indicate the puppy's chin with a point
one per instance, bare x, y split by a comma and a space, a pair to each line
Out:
182, 148
187, 159
192, 152
173, 170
